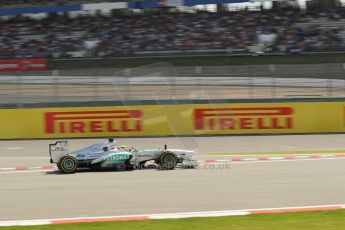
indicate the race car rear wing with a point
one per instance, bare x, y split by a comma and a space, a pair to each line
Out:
58, 150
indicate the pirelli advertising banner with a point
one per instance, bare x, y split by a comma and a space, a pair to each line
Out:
164, 120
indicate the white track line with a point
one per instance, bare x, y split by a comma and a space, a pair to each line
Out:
268, 161
290, 160
24, 157
14, 148
27, 171
5, 169
270, 155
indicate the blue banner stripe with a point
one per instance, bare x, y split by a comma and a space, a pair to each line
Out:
39, 9
154, 3
204, 2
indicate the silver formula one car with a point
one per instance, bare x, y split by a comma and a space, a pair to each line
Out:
109, 155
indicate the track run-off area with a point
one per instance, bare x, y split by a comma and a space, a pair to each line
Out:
31, 188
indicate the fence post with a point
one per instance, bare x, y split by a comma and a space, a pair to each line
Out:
272, 70
19, 93
55, 75
329, 87
342, 74
127, 82
251, 87
95, 87
198, 80
198, 70
329, 70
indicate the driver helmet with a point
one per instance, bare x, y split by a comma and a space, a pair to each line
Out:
124, 147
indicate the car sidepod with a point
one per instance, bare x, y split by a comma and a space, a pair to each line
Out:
118, 160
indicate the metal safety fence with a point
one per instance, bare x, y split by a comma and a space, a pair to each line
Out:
165, 82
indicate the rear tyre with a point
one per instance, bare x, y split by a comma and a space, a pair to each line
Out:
68, 164
168, 160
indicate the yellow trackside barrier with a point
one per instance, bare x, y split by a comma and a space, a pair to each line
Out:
162, 120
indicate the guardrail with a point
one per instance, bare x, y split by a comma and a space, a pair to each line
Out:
165, 82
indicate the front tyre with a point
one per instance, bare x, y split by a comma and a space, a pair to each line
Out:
168, 160
68, 164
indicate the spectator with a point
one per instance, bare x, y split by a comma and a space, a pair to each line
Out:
60, 36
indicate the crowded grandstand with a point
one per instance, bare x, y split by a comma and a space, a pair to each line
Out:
15, 3
165, 31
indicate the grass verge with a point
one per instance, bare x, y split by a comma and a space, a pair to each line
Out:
316, 220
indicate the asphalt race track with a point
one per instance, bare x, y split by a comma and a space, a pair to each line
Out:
39, 194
